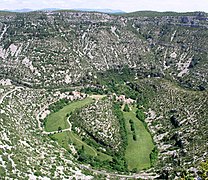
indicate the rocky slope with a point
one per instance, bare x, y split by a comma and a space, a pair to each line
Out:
24, 151
62, 48
98, 121
177, 119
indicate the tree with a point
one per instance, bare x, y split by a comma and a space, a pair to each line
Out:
153, 156
131, 122
134, 170
126, 108
140, 115
59, 129
132, 125
134, 137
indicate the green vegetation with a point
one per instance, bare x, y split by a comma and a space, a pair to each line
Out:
131, 122
157, 14
58, 105
102, 112
204, 170
126, 108
140, 115
153, 156
89, 152
91, 90
93, 121
2, 171
115, 82
137, 152
64, 138
58, 119
123, 132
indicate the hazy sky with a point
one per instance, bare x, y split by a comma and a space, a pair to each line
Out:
125, 5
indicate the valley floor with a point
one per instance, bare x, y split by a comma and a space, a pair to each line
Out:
137, 153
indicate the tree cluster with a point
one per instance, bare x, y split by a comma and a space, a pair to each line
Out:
132, 125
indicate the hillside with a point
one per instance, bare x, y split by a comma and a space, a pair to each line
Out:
52, 62
61, 48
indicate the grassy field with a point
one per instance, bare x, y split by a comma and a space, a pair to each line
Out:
59, 119
68, 137
137, 152
103, 157
64, 138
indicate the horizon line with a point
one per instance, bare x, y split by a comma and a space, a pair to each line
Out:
95, 10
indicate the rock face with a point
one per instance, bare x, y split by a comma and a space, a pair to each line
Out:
60, 48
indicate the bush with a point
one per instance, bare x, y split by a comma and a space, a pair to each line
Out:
37, 173
134, 170
132, 125
59, 129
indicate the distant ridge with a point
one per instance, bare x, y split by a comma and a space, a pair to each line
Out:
30, 10
116, 12
18, 10
110, 11
165, 13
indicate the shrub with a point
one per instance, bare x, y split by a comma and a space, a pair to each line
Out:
134, 170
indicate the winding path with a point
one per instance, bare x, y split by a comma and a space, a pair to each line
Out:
9, 92
69, 129
54, 132
103, 172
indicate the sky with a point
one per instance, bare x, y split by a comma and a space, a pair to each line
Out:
125, 5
